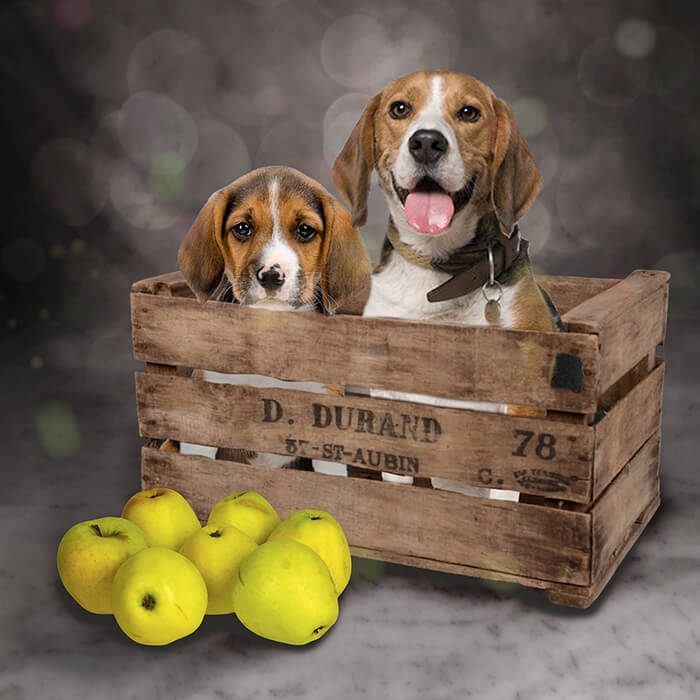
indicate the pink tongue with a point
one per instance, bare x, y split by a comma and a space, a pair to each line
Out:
429, 212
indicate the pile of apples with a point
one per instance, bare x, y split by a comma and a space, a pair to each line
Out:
158, 571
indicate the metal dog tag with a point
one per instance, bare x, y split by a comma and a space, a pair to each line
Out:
492, 311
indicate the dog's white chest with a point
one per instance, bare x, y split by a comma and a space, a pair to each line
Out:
400, 291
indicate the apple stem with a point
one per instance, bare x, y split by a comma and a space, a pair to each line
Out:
96, 528
216, 533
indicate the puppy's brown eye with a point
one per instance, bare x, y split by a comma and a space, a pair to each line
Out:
400, 109
305, 232
468, 113
242, 231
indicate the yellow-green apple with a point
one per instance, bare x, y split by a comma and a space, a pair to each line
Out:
164, 515
158, 596
89, 555
285, 592
248, 511
218, 552
322, 532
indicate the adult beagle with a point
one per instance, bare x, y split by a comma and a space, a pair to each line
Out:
457, 175
274, 239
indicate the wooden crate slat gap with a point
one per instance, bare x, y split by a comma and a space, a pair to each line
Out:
529, 454
366, 352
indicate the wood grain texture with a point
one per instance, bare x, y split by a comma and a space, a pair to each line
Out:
515, 538
169, 284
628, 425
569, 292
584, 596
489, 364
615, 512
630, 337
473, 447
601, 309
566, 292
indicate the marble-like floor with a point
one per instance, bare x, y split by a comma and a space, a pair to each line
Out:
403, 633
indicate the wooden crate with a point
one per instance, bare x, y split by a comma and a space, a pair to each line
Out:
587, 472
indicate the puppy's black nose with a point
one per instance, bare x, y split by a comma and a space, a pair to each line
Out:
270, 277
427, 145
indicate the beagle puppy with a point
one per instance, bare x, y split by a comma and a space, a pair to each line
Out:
273, 239
457, 175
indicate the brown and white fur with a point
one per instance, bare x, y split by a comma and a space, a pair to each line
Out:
482, 152
282, 242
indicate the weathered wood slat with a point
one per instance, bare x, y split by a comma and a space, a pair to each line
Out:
566, 292
631, 336
487, 364
619, 506
628, 425
569, 292
436, 565
619, 517
532, 455
601, 309
583, 596
629, 319
169, 284
519, 539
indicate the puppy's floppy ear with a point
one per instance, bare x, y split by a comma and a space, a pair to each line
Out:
515, 178
200, 258
345, 266
353, 166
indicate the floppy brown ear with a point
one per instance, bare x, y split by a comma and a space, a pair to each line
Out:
200, 258
353, 166
515, 178
345, 266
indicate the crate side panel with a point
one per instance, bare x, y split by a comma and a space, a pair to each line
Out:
532, 455
620, 505
603, 308
569, 292
520, 539
628, 425
506, 366
631, 336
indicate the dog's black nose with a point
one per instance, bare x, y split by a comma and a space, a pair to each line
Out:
270, 277
427, 145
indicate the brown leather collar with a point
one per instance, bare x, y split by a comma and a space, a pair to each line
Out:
468, 265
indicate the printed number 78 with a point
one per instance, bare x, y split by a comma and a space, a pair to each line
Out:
544, 448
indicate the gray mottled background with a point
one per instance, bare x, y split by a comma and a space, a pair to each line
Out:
119, 118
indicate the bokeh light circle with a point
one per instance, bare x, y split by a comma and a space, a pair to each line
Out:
172, 63
354, 49
294, 143
167, 176
221, 158
150, 124
339, 121
531, 115
72, 14
137, 203
57, 429
271, 100
71, 180
635, 38
367, 51
608, 78
23, 259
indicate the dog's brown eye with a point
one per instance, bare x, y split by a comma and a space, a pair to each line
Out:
305, 232
468, 113
242, 231
399, 109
